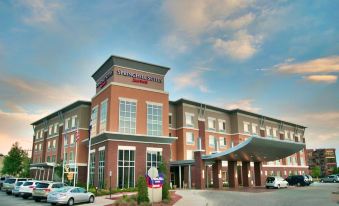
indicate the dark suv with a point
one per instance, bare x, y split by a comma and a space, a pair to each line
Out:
298, 180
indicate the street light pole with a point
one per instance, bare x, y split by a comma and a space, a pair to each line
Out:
110, 184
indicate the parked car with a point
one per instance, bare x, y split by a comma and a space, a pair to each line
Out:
330, 178
2, 180
26, 188
298, 180
8, 185
275, 182
69, 196
42, 189
15, 190
310, 179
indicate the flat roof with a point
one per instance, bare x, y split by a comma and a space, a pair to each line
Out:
114, 60
182, 100
62, 110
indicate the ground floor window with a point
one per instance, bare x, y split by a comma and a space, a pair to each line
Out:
154, 159
101, 169
92, 168
126, 168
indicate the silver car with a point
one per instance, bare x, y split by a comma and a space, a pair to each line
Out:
330, 178
69, 196
15, 190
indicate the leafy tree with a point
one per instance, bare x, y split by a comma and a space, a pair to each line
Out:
16, 162
316, 171
142, 190
166, 186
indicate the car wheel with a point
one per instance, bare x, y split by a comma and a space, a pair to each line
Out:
70, 202
8, 193
267, 187
16, 195
37, 200
53, 203
322, 181
25, 197
91, 199
298, 184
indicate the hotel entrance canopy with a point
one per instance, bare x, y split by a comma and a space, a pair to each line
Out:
258, 149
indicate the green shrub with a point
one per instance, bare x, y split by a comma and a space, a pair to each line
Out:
142, 190
166, 186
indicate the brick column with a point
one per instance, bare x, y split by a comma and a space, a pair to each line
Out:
245, 168
232, 174
201, 126
216, 170
199, 171
257, 173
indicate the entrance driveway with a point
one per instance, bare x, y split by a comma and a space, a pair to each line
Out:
314, 195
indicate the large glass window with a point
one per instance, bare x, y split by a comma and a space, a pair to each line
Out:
126, 167
189, 119
154, 159
222, 125
189, 138
127, 117
222, 141
211, 141
101, 169
92, 168
154, 119
103, 116
211, 123
94, 119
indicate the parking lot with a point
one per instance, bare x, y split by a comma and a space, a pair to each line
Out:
314, 195
9, 200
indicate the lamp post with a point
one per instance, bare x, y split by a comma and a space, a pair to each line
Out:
110, 184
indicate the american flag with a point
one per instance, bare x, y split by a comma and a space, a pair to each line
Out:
77, 135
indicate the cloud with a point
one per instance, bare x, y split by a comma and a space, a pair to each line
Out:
244, 104
41, 11
235, 24
242, 46
321, 65
322, 78
175, 44
192, 79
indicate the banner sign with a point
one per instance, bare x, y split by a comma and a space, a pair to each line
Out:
154, 179
139, 78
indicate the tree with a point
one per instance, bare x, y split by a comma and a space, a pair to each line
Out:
316, 171
16, 162
166, 186
142, 190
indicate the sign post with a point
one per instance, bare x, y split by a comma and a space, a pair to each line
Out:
154, 182
110, 184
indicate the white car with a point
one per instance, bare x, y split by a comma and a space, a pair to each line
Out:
275, 182
26, 189
15, 190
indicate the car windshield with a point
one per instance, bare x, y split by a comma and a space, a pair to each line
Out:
42, 185
10, 181
27, 183
18, 183
270, 179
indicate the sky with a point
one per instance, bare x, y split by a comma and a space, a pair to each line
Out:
276, 58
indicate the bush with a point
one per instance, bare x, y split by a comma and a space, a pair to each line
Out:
126, 200
142, 190
166, 186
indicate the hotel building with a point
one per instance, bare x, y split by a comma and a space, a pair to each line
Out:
134, 126
323, 158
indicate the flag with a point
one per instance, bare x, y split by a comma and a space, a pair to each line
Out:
77, 135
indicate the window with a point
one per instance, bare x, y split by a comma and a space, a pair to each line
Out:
222, 125
74, 121
126, 167
66, 157
54, 143
268, 131
189, 155
94, 119
189, 119
36, 147
71, 157
211, 123
274, 132
246, 129
211, 141
170, 120
55, 128
254, 128
277, 162
72, 139
53, 158
49, 144
222, 141
48, 159
40, 146
65, 140
189, 138
286, 134
288, 160
103, 116
292, 136
154, 158
92, 168
154, 119
127, 117
101, 169
302, 161
67, 123
50, 129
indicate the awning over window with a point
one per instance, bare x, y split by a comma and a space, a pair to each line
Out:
258, 149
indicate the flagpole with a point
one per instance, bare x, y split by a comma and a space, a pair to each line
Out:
75, 161
89, 153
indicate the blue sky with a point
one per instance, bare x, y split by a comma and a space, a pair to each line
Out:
277, 58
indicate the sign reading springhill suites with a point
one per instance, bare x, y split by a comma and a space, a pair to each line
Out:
139, 78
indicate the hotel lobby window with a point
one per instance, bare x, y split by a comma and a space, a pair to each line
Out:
92, 168
154, 158
154, 119
94, 118
103, 116
126, 167
101, 169
127, 116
